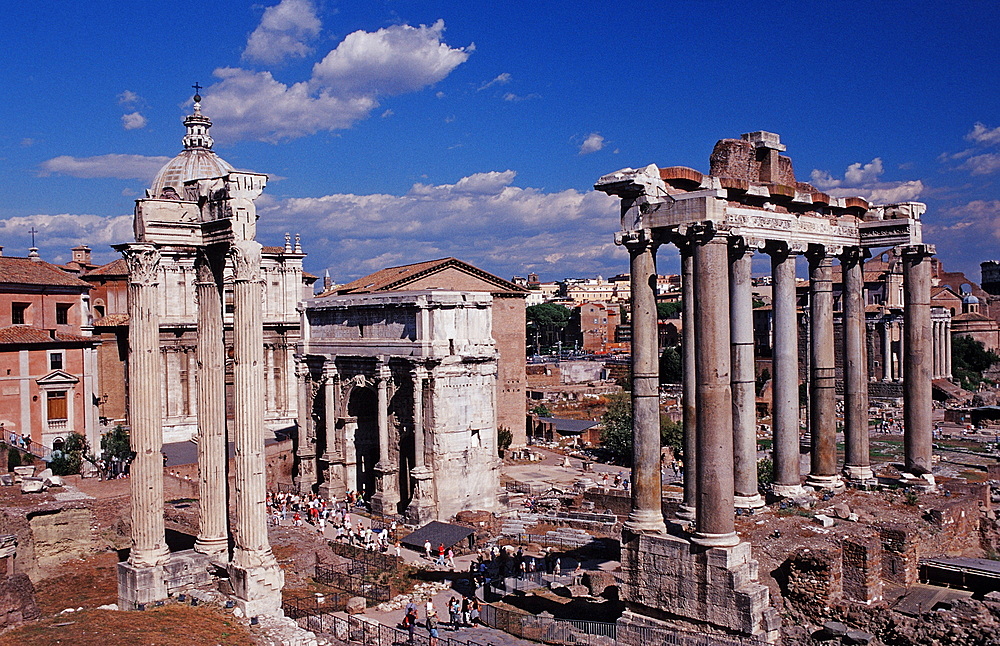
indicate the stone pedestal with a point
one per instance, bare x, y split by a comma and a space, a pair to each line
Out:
667, 581
258, 586
140, 585
422, 508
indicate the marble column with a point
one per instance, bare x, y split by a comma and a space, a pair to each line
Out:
255, 575
646, 515
141, 579
743, 382
857, 462
785, 380
823, 378
947, 349
887, 350
330, 464
149, 545
305, 449
422, 507
213, 459
715, 524
688, 508
917, 403
386, 500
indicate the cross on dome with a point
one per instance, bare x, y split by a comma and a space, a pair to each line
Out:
197, 125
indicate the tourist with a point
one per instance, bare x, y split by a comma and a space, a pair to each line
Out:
466, 609
454, 616
451, 558
410, 620
474, 610
440, 559
398, 546
427, 549
432, 628
557, 570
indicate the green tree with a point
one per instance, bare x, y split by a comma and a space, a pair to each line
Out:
670, 366
616, 437
668, 310
672, 435
115, 444
545, 324
68, 461
541, 410
969, 358
504, 439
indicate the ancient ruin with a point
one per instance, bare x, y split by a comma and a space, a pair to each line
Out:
751, 202
200, 205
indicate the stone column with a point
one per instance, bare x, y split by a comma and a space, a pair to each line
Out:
947, 349
823, 378
857, 464
886, 349
305, 449
785, 380
213, 459
422, 507
386, 500
332, 456
141, 580
917, 403
688, 508
255, 575
647, 512
715, 523
743, 382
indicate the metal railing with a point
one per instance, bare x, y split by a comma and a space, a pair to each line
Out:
549, 541
26, 445
376, 560
307, 606
357, 585
362, 630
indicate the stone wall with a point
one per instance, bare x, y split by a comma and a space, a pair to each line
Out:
814, 575
899, 555
862, 568
61, 535
17, 601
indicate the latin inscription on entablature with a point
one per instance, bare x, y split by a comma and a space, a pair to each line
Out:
890, 233
802, 229
363, 324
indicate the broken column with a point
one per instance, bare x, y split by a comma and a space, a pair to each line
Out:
386, 499
785, 380
715, 523
422, 507
255, 575
213, 523
689, 505
743, 382
917, 402
857, 461
141, 578
822, 382
647, 512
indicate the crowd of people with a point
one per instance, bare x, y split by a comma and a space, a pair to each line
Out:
316, 512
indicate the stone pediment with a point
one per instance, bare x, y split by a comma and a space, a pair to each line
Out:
57, 378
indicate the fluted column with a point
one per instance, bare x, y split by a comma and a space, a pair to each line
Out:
917, 402
647, 513
857, 462
421, 507
785, 380
256, 577
715, 523
688, 508
822, 382
305, 449
386, 499
213, 531
743, 382
947, 349
887, 350
149, 545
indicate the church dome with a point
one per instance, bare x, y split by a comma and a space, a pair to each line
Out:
196, 161
970, 300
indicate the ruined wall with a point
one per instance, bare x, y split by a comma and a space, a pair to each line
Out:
813, 575
61, 535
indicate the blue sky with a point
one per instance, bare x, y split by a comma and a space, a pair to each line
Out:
399, 131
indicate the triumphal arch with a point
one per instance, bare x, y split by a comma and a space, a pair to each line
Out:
199, 204
750, 203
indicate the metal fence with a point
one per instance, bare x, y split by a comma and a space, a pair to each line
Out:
308, 606
373, 560
356, 585
362, 630
545, 540
27, 445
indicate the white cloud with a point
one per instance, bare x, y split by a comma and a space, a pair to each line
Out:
113, 165
500, 79
133, 121
393, 60
284, 32
592, 143
482, 218
862, 180
343, 88
128, 97
388, 113
983, 164
58, 233
980, 134
514, 98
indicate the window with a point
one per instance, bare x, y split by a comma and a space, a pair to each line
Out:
56, 361
18, 313
62, 313
56, 401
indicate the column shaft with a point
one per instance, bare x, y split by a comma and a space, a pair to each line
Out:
917, 403
947, 349
213, 532
785, 389
822, 382
149, 546
887, 351
305, 449
743, 382
857, 465
689, 385
418, 417
715, 522
386, 500
647, 512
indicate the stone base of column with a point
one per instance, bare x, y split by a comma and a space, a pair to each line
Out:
422, 508
666, 582
787, 491
756, 501
257, 586
924, 483
645, 522
703, 539
140, 586
687, 513
858, 474
834, 483
215, 547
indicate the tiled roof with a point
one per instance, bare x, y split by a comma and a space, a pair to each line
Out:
26, 271
112, 320
24, 335
393, 278
113, 268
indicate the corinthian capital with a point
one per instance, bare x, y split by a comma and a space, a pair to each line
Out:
143, 262
246, 260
